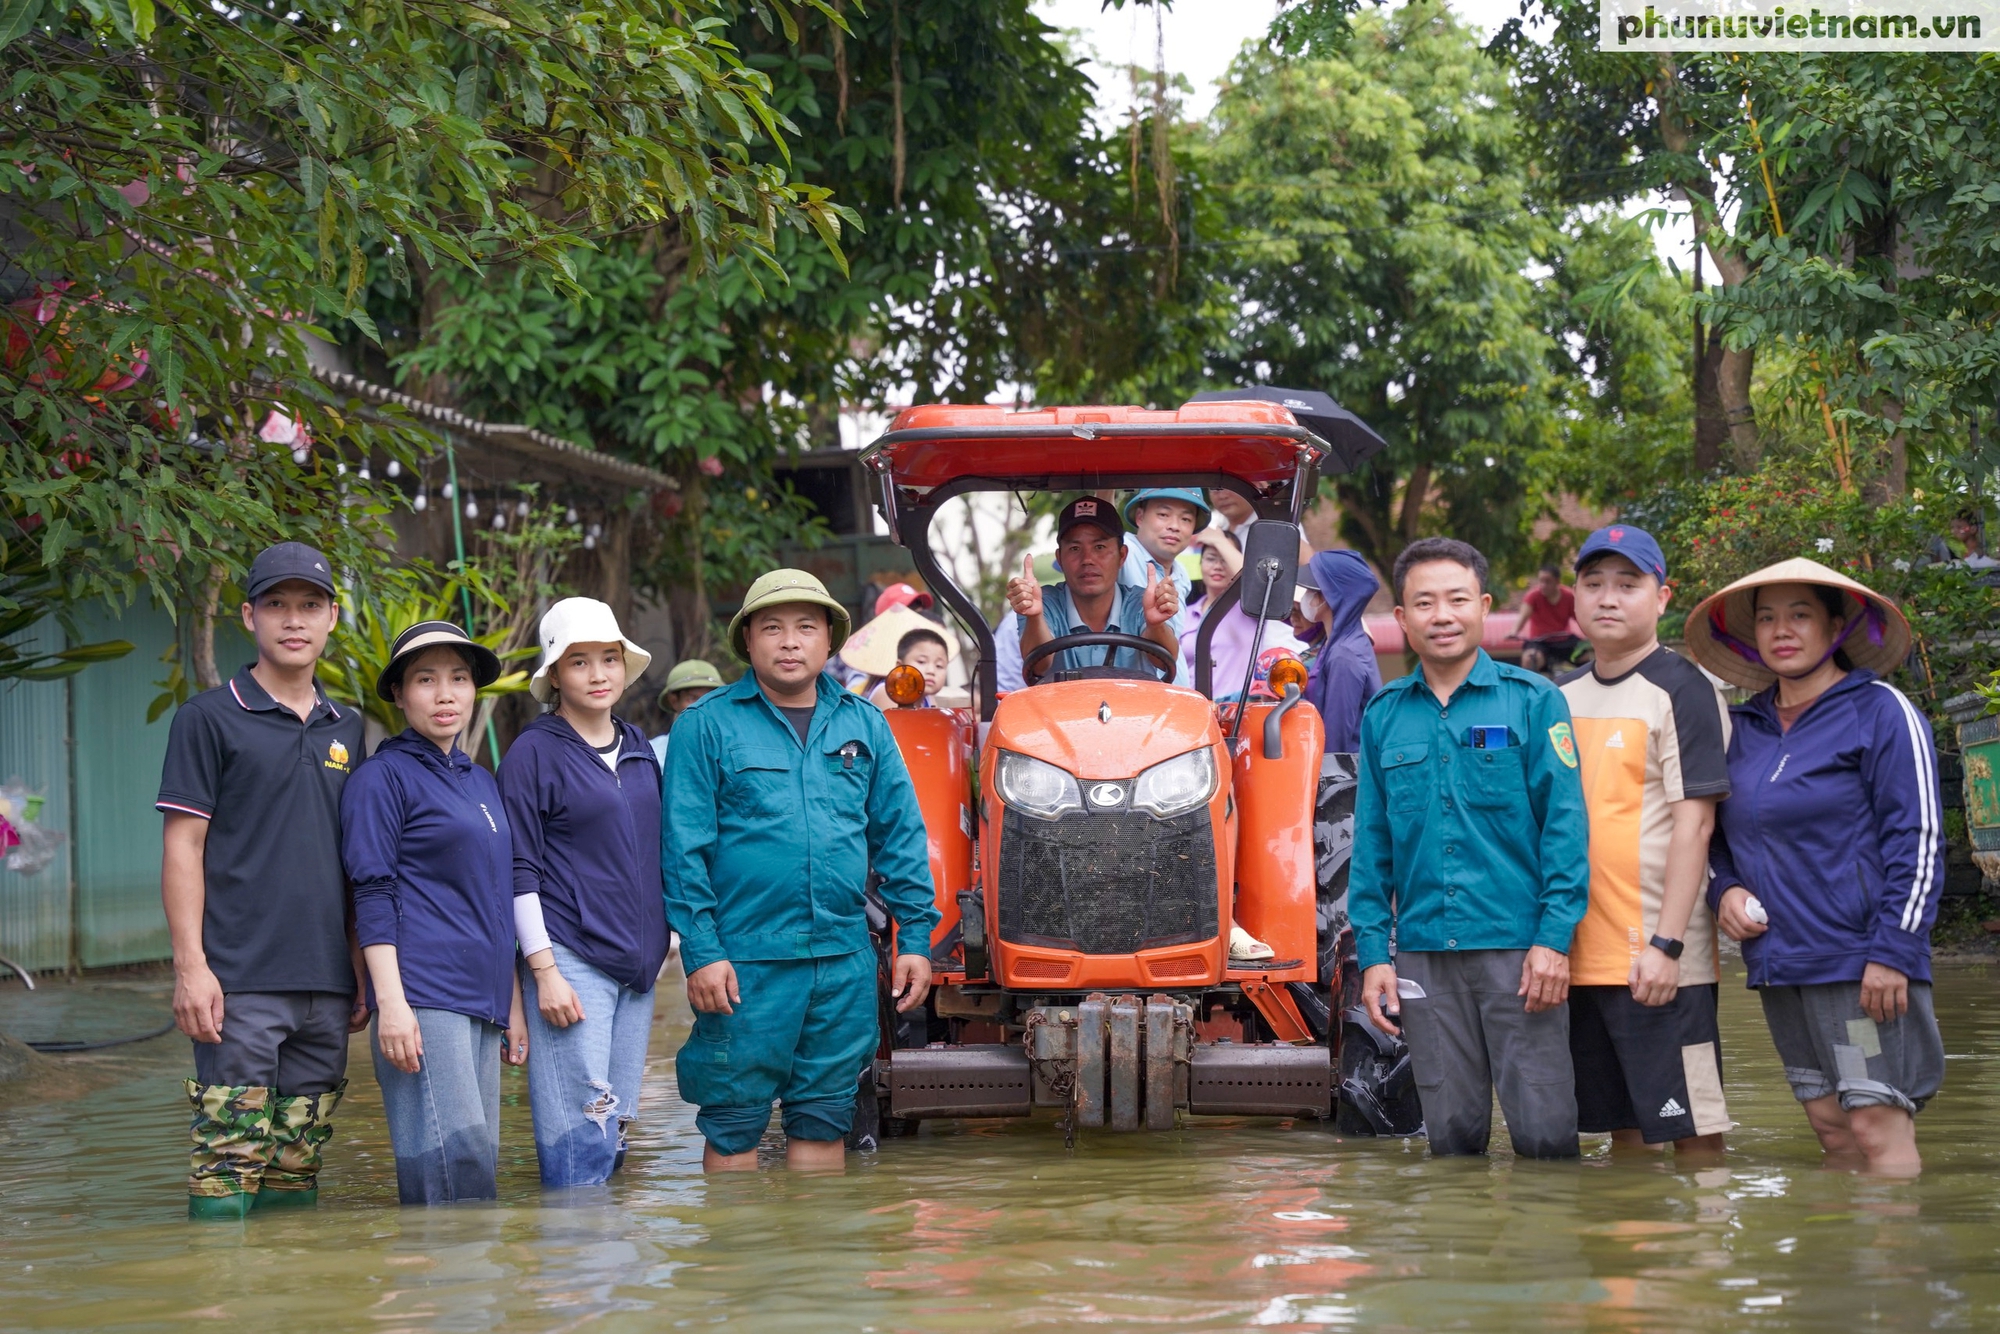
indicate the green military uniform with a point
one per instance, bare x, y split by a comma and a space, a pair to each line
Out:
768, 843
1473, 855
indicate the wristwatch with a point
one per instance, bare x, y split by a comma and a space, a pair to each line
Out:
1671, 948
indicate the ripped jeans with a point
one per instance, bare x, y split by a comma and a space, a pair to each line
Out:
583, 1081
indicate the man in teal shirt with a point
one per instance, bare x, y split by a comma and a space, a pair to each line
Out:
783, 791
1471, 845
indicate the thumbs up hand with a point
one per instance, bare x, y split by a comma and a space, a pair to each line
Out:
1024, 591
1162, 599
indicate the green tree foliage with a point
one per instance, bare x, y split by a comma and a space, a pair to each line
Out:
1384, 240
187, 188
1003, 236
1878, 254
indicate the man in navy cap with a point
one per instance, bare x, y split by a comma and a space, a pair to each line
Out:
1089, 552
256, 902
1652, 736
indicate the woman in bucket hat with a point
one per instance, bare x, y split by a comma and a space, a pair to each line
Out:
425, 843
784, 793
1828, 856
582, 791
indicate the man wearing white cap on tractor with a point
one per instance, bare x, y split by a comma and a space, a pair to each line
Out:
582, 792
784, 791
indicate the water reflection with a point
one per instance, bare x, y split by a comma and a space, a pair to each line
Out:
1225, 1226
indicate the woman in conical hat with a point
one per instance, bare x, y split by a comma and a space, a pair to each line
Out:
1828, 856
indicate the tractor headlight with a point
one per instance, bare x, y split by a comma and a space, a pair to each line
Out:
1175, 787
1035, 788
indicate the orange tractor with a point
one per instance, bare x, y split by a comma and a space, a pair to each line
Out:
1095, 836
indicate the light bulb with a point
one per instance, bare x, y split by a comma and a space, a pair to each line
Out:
589, 542
449, 489
471, 509
499, 519
299, 455
340, 470
421, 503
395, 469
569, 515
521, 508
366, 476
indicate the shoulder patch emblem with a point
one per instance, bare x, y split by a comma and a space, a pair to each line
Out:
1564, 742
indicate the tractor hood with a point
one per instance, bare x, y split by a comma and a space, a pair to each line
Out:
1104, 729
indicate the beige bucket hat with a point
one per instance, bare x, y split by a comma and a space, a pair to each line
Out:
782, 586
582, 621
872, 648
1722, 630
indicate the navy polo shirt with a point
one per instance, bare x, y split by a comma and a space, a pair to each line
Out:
269, 786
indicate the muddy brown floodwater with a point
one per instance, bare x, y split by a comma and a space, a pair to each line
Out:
1222, 1225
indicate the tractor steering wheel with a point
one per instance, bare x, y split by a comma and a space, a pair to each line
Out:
1163, 661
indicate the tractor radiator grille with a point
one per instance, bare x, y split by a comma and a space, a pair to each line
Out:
1109, 883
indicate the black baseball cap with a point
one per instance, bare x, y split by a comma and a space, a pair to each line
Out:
289, 560
1092, 511
1634, 544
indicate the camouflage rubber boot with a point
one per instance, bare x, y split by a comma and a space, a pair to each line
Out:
232, 1144
300, 1127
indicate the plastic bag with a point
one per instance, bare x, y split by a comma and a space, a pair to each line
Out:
34, 845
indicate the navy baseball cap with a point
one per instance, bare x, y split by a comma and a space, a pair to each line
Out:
288, 560
1093, 511
1634, 544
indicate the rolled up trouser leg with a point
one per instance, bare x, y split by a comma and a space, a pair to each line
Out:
837, 1039
300, 1128
231, 1132
801, 1035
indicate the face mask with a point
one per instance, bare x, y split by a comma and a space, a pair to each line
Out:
1312, 604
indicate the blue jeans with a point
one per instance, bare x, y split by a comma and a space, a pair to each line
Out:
444, 1120
583, 1081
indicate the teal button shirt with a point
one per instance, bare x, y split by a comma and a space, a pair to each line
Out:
1463, 849
767, 844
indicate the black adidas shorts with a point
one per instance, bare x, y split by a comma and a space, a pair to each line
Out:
1654, 1069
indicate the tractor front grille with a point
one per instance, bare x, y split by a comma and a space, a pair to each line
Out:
1107, 883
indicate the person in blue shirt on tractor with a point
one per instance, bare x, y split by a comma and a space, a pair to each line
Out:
783, 792
1163, 521
1471, 845
1091, 597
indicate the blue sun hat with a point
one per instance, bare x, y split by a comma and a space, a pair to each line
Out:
1187, 495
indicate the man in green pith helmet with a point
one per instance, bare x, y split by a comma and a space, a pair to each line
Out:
686, 683
783, 792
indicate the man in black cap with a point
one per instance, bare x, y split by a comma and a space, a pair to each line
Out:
257, 905
1089, 551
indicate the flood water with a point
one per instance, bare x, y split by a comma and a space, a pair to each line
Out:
1222, 1225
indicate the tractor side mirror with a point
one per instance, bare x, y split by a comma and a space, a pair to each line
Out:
1270, 569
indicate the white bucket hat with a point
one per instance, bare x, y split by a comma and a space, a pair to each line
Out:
582, 621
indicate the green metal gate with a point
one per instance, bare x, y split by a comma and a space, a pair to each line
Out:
86, 746
35, 911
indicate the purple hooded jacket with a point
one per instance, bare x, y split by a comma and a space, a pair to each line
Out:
1837, 828
1345, 676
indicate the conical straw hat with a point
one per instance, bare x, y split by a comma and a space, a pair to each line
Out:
872, 647
1722, 631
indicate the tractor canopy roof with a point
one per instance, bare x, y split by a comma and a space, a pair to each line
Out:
935, 452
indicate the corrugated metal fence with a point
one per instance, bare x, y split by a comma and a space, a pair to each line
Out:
86, 746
